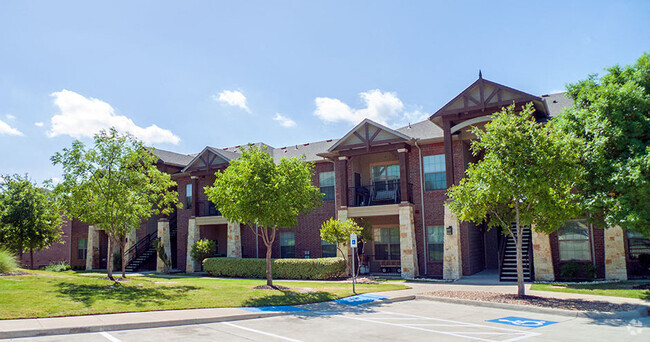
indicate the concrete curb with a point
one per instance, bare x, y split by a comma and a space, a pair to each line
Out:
640, 311
167, 323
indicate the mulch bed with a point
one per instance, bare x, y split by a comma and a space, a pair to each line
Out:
545, 302
274, 287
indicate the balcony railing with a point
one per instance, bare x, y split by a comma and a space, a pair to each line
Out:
207, 208
379, 193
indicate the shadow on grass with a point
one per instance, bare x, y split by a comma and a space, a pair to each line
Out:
288, 297
132, 295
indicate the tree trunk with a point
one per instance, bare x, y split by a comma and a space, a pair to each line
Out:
31, 258
122, 250
269, 273
521, 290
109, 259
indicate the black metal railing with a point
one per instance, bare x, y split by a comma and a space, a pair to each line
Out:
379, 193
141, 246
207, 208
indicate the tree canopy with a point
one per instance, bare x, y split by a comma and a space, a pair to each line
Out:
113, 185
29, 216
254, 190
612, 116
526, 177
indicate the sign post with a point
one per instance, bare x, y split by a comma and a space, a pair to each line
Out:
353, 244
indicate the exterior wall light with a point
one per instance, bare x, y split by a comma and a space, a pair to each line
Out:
450, 230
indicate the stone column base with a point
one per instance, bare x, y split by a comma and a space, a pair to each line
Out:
452, 267
615, 260
542, 257
408, 251
234, 240
163, 235
92, 248
192, 236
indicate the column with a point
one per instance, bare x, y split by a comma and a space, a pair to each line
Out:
403, 174
163, 236
342, 216
449, 152
452, 266
130, 242
615, 260
192, 237
408, 251
542, 257
234, 240
341, 179
93, 247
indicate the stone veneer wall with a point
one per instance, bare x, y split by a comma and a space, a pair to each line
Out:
542, 257
615, 261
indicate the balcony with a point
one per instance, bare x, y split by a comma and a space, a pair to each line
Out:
207, 208
379, 193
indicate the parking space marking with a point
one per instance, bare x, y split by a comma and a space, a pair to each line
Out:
513, 334
110, 337
260, 332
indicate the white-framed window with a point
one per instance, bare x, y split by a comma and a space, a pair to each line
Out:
188, 196
326, 184
573, 241
82, 249
288, 245
434, 172
328, 250
435, 242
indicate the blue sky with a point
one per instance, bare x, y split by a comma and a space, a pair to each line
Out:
183, 75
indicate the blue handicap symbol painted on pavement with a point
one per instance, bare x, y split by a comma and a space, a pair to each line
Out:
522, 322
273, 309
360, 299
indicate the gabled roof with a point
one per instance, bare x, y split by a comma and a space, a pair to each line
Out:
557, 102
368, 133
487, 96
171, 158
205, 157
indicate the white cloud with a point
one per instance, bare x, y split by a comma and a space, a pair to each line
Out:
232, 98
284, 121
38, 124
382, 107
5, 129
85, 116
10, 117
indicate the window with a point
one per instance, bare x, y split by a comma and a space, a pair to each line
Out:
434, 172
435, 242
573, 241
328, 249
637, 244
287, 245
386, 243
385, 172
82, 248
188, 196
326, 183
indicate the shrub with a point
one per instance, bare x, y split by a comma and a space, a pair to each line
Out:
58, 266
574, 271
320, 269
8, 261
202, 249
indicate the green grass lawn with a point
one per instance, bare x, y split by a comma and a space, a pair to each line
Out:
618, 289
49, 294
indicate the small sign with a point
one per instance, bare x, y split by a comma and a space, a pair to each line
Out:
353, 240
522, 322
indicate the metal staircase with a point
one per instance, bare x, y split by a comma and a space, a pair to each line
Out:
143, 251
508, 270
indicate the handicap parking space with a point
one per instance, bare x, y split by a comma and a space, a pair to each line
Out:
412, 321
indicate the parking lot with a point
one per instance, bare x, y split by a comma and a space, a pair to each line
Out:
415, 320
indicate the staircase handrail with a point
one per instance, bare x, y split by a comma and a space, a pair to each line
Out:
141, 246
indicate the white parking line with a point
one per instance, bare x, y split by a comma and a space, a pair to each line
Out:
110, 337
487, 330
261, 332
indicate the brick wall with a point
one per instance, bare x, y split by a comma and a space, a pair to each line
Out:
58, 252
598, 253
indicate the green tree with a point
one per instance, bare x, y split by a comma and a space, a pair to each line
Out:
254, 190
113, 185
29, 216
612, 116
338, 233
525, 177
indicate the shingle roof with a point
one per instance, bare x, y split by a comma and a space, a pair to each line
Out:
172, 158
556, 102
422, 130
309, 150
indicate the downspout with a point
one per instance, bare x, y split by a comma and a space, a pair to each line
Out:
424, 230
593, 248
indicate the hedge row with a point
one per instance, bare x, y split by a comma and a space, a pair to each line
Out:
324, 268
